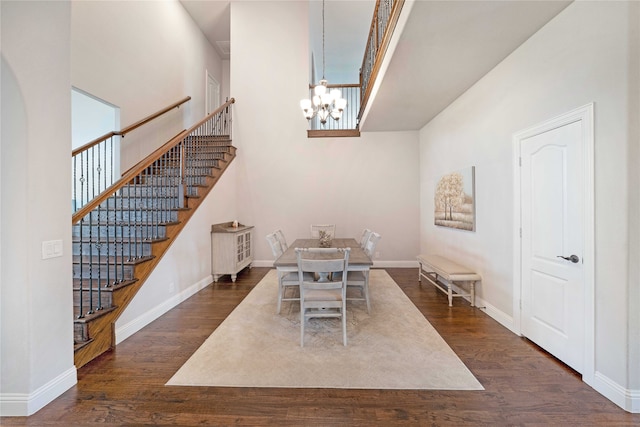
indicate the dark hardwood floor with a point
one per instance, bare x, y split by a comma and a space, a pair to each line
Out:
523, 384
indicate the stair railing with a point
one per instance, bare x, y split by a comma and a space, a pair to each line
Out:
168, 175
385, 17
94, 164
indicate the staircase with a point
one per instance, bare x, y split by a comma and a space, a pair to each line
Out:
122, 233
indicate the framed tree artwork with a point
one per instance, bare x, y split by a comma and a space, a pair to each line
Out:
455, 200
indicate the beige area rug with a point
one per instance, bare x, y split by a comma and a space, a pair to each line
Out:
394, 347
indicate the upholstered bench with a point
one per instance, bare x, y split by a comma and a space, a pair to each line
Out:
452, 272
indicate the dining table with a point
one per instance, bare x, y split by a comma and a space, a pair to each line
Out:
358, 259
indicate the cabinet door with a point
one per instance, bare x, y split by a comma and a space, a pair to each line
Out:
240, 247
247, 245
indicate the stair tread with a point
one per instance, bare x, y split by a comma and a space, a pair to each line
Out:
77, 345
128, 223
111, 260
89, 317
145, 209
110, 240
103, 284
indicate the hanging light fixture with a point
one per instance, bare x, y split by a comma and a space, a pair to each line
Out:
324, 103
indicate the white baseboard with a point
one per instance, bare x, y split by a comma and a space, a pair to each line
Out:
498, 315
125, 331
629, 400
376, 264
25, 404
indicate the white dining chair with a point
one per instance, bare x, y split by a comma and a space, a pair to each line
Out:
358, 277
283, 242
365, 237
287, 276
327, 228
322, 299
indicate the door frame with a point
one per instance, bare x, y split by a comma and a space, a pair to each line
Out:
585, 115
208, 78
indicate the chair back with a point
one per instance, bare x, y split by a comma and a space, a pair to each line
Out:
274, 243
365, 237
327, 228
323, 260
283, 242
372, 242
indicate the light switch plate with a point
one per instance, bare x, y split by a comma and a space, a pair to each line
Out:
51, 249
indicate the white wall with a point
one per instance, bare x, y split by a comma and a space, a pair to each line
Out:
142, 56
36, 305
586, 54
634, 201
91, 118
288, 181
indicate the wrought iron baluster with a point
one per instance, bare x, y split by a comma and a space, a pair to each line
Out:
74, 165
90, 261
161, 176
138, 202
99, 238
80, 226
122, 222
131, 212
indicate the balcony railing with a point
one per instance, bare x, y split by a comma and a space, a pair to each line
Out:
349, 119
385, 17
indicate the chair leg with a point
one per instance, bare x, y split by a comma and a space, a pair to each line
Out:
301, 326
344, 324
366, 296
365, 289
280, 295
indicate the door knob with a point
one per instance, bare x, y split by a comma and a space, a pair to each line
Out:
573, 258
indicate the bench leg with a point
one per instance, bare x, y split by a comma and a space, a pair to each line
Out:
450, 294
420, 271
473, 294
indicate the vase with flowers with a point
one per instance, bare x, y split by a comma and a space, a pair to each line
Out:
325, 239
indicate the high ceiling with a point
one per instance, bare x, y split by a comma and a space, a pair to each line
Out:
346, 29
443, 48
214, 19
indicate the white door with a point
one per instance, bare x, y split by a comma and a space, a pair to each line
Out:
552, 191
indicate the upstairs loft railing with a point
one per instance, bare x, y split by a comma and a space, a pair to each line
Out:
94, 165
385, 17
347, 125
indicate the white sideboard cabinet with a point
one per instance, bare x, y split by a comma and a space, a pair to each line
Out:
231, 249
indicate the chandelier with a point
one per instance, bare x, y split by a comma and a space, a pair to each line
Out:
325, 103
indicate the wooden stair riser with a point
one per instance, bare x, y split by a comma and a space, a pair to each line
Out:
167, 201
98, 272
80, 332
190, 171
118, 249
138, 215
92, 300
142, 191
143, 231
172, 181
210, 159
194, 177
209, 140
